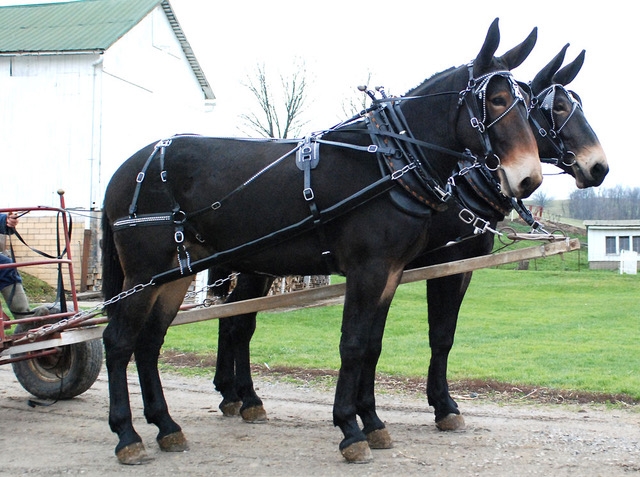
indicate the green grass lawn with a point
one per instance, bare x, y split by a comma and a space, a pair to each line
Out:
557, 329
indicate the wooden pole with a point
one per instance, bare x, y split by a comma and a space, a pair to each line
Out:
309, 297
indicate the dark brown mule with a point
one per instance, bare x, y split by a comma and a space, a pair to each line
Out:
565, 139
335, 203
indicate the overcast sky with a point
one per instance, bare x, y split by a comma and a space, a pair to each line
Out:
402, 42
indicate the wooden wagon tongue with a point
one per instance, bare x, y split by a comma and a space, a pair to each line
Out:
313, 295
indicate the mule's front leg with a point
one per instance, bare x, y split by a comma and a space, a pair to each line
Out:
224, 379
354, 446
377, 435
444, 297
367, 301
233, 367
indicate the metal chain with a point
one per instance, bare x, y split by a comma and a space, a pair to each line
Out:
217, 283
86, 314
81, 315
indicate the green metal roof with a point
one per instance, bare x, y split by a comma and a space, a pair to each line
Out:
84, 25
71, 26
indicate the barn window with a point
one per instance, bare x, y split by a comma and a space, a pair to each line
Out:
636, 243
610, 244
624, 243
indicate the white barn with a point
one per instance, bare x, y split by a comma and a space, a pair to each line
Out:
608, 239
84, 85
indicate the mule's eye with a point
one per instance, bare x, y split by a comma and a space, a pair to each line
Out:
560, 106
499, 101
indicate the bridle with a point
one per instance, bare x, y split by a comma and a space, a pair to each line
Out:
478, 109
544, 120
485, 186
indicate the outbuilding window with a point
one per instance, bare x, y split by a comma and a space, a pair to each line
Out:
624, 243
610, 244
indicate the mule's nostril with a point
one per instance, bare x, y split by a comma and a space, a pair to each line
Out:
525, 185
598, 171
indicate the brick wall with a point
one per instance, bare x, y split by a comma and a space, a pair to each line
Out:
40, 234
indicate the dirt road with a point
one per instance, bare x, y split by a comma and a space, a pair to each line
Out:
73, 437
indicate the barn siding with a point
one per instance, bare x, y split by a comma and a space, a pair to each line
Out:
70, 120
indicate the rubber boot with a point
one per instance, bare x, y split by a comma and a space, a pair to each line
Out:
16, 299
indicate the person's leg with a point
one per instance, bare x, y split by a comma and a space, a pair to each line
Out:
11, 288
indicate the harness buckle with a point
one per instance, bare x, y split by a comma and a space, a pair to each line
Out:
140, 177
178, 236
372, 148
307, 193
480, 226
466, 216
163, 176
477, 124
308, 153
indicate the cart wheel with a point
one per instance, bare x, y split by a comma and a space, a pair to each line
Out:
63, 375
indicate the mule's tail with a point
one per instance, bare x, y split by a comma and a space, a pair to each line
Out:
112, 273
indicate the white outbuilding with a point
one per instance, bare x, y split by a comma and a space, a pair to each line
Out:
609, 240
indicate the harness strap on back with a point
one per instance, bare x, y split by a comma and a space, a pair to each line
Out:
141, 175
176, 217
307, 158
275, 238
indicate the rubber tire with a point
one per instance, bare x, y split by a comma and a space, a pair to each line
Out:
64, 375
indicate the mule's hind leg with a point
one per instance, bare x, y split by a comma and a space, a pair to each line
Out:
170, 437
119, 339
233, 366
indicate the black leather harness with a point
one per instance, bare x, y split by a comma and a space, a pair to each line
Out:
392, 141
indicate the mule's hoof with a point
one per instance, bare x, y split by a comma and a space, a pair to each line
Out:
357, 453
231, 409
174, 442
379, 439
451, 422
133, 454
254, 415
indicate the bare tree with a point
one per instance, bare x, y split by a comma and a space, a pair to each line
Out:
278, 116
541, 199
617, 203
279, 111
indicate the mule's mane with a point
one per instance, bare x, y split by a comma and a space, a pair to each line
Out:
435, 77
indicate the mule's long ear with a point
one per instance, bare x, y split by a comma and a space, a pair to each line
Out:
483, 61
544, 78
567, 74
515, 56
